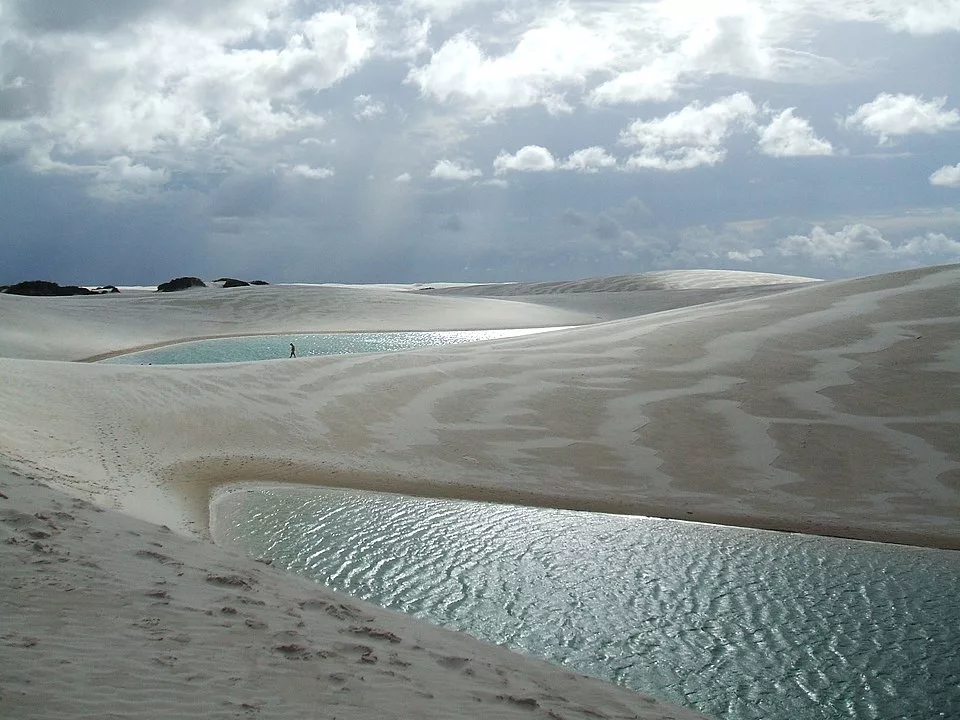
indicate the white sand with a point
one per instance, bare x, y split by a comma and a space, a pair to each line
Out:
831, 408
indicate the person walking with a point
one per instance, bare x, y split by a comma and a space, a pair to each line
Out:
293, 350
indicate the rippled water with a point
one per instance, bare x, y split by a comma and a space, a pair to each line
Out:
734, 623
272, 347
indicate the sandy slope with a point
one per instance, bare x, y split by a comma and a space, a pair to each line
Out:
831, 408
660, 280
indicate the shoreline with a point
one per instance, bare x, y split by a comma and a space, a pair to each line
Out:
168, 343
201, 493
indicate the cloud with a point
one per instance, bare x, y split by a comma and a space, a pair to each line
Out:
186, 83
859, 240
537, 71
366, 108
745, 257
572, 217
453, 170
931, 243
893, 115
121, 178
689, 137
245, 196
311, 173
123, 169
452, 223
403, 178
852, 240
947, 176
606, 227
534, 158
927, 17
790, 136
589, 160
530, 158
656, 82
440, 10
930, 17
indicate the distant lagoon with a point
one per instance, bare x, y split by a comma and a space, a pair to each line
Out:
275, 347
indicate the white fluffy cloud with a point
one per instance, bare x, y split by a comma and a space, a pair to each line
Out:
454, 170
690, 137
537, 71
657, 81
931, 243
534, 158
604, 54
823, 245
530, 158
891, 115
179, 81
947, 176
790, 136
859, 241
589, 160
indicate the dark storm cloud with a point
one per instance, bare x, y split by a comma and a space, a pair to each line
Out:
243, 196
452, 223
572, 217
606, 228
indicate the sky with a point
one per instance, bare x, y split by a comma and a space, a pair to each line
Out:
475, 140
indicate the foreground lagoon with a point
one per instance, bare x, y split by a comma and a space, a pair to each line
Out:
735, 623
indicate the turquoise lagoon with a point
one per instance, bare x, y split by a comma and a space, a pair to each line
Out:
273, 347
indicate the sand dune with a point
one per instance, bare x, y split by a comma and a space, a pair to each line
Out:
657, 280
828, 408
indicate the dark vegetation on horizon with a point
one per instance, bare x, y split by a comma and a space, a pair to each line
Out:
187, 282
180, 283
45, 288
